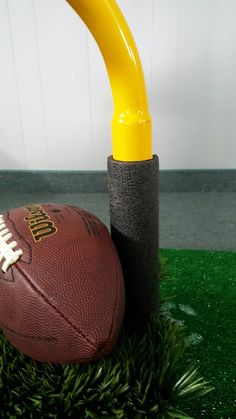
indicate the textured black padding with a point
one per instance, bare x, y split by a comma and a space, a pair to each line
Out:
133, 190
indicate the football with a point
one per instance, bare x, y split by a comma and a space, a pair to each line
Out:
62, 296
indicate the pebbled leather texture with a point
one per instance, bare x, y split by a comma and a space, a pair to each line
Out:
64, 300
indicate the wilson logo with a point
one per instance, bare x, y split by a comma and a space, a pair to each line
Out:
39, 223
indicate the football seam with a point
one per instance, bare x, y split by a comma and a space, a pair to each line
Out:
91, 343
30, 337
115, 264
87, 219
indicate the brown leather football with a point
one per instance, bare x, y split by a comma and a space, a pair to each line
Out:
62, 295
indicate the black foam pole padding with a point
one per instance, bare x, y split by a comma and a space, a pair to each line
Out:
133, 192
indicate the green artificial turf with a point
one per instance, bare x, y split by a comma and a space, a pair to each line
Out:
203, 290
151, 372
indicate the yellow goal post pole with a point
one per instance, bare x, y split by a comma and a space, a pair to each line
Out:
132, 169
131, 124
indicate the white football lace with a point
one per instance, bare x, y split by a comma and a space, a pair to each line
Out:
7, 251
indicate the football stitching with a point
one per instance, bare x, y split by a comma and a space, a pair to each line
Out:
56, 309
20, 238
7, 249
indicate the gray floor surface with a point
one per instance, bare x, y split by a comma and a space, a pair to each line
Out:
187, 220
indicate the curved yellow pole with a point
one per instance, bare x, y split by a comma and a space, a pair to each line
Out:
131, 124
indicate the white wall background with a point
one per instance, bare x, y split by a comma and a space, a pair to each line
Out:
55, 99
